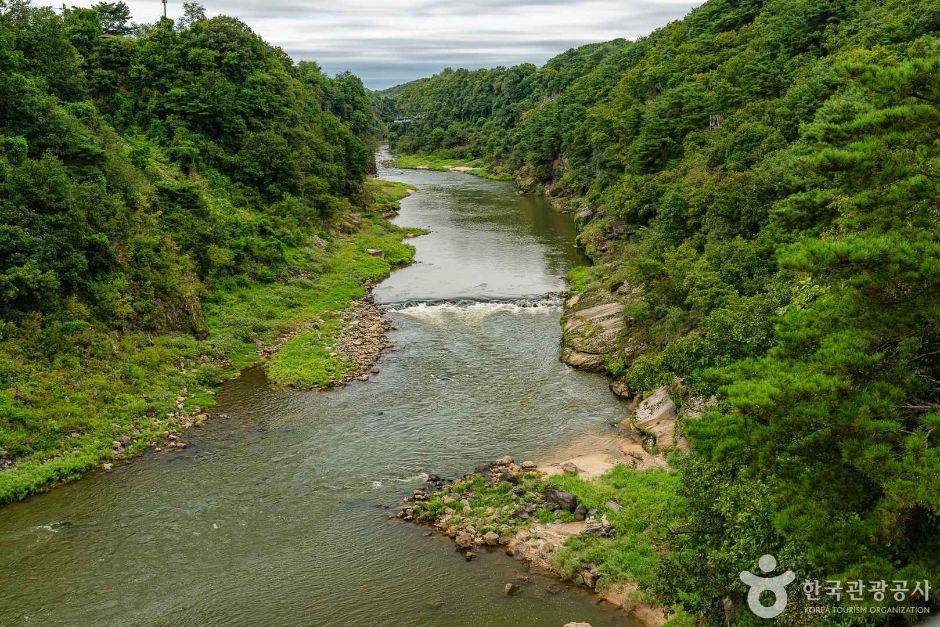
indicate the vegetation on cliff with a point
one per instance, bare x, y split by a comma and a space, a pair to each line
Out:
173, 196
758, 186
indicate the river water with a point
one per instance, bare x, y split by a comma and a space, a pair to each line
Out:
277, 514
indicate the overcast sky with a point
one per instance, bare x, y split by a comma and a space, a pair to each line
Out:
387, 42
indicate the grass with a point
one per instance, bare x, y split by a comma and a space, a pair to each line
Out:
385, 195
442, 162
649, 503
68, 392
307, 359
583, 278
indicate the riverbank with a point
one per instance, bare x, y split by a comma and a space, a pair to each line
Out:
622, 481
441, 162
586, 520
108, 396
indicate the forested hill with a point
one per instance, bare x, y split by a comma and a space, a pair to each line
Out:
160, 184
136, 168
758, 186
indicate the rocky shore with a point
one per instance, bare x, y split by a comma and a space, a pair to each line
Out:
516, 507
363, 338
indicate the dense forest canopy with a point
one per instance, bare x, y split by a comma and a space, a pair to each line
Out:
169, 194
760, 189
136, 164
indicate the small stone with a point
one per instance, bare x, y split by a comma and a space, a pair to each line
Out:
470, 556
376, 252
107, 467
580, 513
529, 465
614, 506
435, 602
503, 461
157, 450
510, 588
490, 538
375, 371
463, 540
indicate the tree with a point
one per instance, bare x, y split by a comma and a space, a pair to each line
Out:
192, 12
115, 17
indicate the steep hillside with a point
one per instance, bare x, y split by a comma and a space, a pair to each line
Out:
171, 196
758, 187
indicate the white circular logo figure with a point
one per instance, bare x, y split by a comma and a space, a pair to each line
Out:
777, 585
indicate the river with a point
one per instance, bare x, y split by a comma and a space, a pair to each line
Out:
277, 514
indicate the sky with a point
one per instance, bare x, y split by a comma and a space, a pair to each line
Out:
388, 42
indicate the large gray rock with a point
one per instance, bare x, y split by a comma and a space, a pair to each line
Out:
621, 389
581, 360
592, 326
655, 420
584, 215
556, 499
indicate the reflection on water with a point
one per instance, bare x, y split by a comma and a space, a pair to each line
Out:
276, 515
487, 240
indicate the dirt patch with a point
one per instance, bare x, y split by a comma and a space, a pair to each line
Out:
593, 454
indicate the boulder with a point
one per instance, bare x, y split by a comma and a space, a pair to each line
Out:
589, 576
584, 215
569, 468
490, 538
558, 500
503, 461
581, 360
655, 420
614, 506
463, 540
592, 332
620, 388
580, 512
527, 465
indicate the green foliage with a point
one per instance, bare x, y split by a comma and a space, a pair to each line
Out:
159, 188
440, 161
649, 508
763, 178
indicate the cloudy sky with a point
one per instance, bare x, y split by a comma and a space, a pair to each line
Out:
387, 42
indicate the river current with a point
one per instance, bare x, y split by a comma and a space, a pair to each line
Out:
277, 514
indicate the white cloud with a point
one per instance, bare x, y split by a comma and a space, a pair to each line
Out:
392, 41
